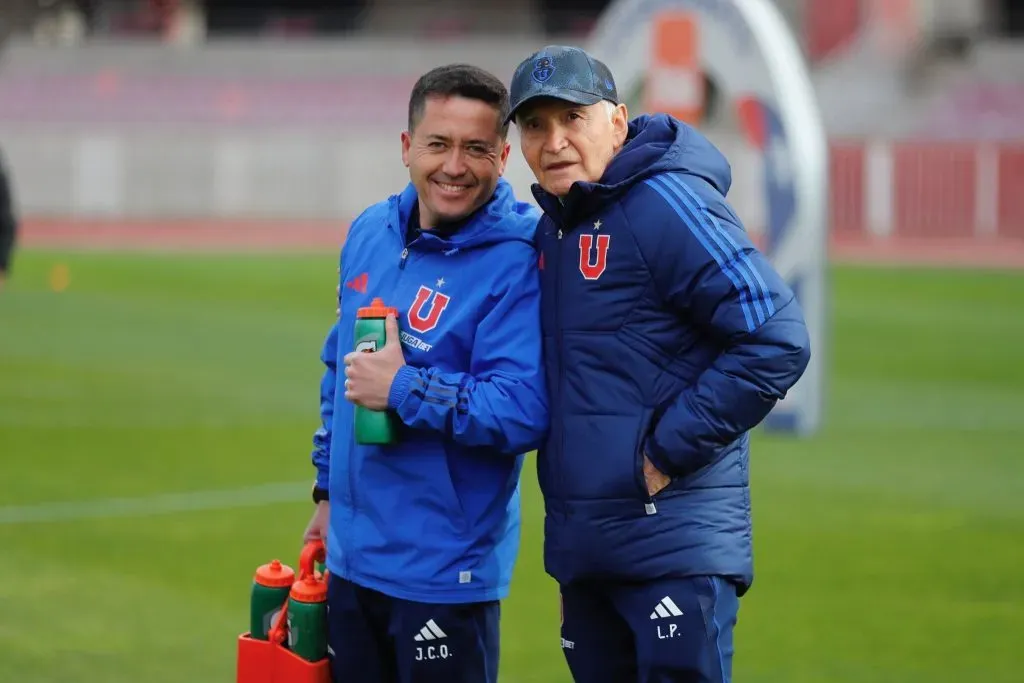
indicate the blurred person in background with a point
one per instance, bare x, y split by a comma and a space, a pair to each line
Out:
667, 338
422, 535
8, 223
8, 219
285, 17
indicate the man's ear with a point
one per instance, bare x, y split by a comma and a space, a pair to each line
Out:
620, 124
406, 145
503, 158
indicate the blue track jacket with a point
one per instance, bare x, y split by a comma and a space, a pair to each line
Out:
665, 332
435, 518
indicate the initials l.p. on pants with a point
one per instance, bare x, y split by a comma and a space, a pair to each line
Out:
670, 631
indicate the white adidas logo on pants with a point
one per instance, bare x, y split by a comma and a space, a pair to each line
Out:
666, 608
431, 631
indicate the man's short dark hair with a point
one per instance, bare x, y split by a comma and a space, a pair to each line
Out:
461, 80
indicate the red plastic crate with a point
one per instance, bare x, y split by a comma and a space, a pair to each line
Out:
265, 661
269, 661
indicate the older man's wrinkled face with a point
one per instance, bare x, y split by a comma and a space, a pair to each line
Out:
564, 143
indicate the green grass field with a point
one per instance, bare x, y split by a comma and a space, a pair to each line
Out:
890, 548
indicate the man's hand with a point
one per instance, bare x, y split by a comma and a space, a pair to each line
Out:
316, 530
656, 480
368, 376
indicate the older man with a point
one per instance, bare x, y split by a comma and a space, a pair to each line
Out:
667, 338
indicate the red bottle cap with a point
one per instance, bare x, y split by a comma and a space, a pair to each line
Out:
275, 575
376, 309
309, 589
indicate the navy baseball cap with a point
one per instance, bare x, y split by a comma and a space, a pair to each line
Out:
565, 73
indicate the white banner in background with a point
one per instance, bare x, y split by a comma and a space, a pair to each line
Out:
748, 50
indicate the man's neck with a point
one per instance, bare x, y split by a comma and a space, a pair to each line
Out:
442, 229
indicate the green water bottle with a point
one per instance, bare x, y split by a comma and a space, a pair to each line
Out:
271, 587
307, 608
373, 426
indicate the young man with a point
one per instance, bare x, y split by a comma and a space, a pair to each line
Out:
667, 337
422, 536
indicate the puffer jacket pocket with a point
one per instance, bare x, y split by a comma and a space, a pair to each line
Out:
604, 457
643, 430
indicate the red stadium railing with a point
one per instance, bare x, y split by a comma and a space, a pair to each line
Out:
921, 188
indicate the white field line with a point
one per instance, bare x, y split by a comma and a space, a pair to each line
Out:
156, 504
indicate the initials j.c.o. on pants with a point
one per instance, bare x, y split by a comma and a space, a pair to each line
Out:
671, 631
375, 638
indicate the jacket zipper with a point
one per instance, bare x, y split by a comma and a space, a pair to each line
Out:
561, 373
649, 505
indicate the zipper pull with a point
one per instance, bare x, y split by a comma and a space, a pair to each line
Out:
650, 509
559, 233
405, 255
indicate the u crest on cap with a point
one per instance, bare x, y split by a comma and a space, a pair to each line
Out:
543, 69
